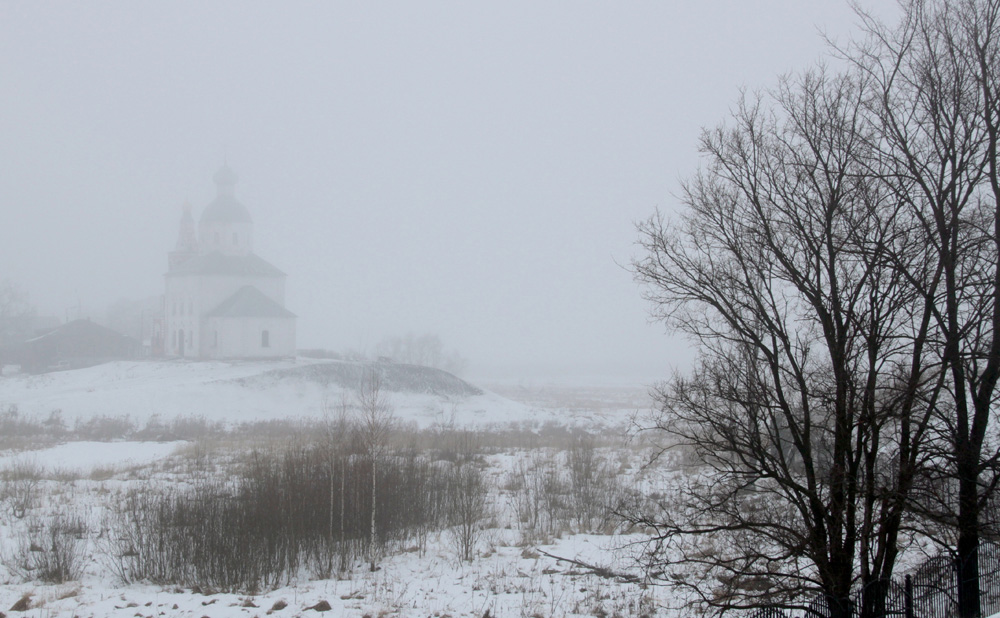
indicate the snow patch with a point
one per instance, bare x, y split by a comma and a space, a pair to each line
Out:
86, 456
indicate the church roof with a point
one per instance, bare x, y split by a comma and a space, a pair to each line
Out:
227, 209
249, 302
216, 263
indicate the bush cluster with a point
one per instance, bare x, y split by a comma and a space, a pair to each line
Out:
300, 508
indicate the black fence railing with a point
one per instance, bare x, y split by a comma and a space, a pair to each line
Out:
931, 591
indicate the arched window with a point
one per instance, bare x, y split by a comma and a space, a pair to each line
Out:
265, 339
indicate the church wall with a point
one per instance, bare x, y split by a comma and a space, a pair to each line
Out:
182, 311
242, 337
189, 298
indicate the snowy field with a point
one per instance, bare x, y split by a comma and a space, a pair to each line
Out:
507, 577
514, 571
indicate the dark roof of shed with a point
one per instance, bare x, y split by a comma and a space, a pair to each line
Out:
249, 302
216, 263
82, 327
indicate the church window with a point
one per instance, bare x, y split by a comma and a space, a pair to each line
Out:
265, 339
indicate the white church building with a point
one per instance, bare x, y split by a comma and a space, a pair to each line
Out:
221, 299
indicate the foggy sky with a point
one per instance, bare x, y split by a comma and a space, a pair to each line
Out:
471, 169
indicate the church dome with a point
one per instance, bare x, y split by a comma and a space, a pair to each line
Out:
225, 176
225, 208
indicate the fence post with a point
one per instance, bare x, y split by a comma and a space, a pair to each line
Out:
908, 597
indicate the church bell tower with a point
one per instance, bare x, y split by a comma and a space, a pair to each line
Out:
187, 241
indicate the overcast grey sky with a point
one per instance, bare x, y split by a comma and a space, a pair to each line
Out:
472, 169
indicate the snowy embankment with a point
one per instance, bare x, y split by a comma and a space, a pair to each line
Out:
237, 392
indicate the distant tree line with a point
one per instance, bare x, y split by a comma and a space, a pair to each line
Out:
16, 314
427, 350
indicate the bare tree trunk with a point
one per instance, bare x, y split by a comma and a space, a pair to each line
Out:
371, 541
968, 543
376, 420
330, 537
343, 495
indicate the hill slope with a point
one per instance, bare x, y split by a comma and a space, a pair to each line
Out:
244, 391
398, 378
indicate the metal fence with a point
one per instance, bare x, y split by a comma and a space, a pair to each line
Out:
931, 591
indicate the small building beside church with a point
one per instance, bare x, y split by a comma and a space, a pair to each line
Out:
74, 345
221, 299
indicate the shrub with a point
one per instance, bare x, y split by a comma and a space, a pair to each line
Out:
20, 486
52, 551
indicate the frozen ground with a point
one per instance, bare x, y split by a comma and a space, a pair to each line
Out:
509, 582
590, 400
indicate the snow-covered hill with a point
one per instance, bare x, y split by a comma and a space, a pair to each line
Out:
249, 391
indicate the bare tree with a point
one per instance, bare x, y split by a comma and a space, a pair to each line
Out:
467, 508
16, 313
936, 106
375, 421
805, 408
591, 482
339, 428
